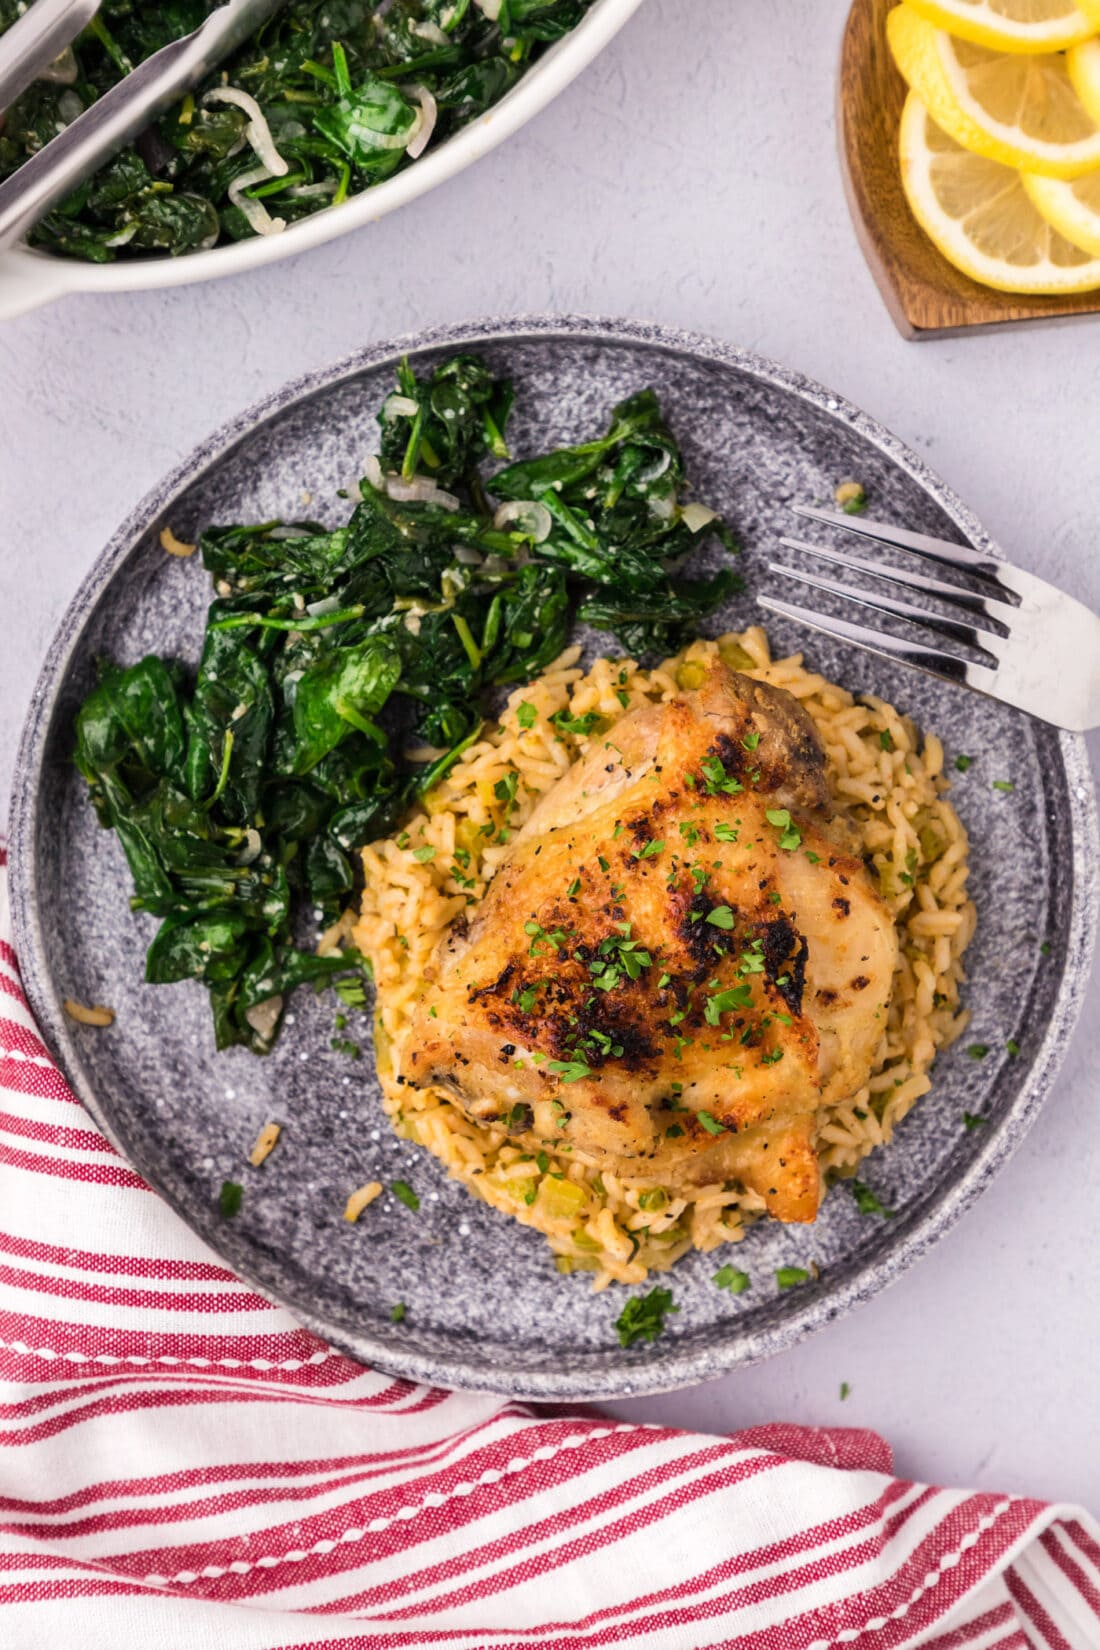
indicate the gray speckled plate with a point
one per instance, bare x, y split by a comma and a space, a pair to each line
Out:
485, 1307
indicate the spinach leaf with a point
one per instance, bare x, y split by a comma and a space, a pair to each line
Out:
455, 417
661, 619
372, 124
569, 465
340, 694
228, 724
130, 730
207, 947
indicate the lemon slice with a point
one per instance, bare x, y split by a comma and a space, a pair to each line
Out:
1022, 111
1011, 25
1073, 209
980, 216
1083, 64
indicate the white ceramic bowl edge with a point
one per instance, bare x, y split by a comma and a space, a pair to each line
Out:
29, 279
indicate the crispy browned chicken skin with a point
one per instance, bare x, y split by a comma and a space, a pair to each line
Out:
680, 959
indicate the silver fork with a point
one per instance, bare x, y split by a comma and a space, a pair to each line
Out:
1040, 649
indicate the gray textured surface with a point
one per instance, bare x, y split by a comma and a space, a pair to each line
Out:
756, 441
709, 197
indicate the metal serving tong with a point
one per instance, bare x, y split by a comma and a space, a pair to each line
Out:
41, 34
36, 40
1038, 649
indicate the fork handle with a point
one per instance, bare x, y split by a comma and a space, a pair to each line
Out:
109, 123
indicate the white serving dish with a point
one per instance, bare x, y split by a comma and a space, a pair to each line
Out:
29, 278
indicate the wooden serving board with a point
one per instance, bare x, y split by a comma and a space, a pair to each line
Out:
925, 295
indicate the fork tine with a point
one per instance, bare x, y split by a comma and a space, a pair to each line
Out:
971, 601
929, 659
921, 544
953, 629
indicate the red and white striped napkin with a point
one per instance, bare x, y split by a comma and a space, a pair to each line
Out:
181, 1465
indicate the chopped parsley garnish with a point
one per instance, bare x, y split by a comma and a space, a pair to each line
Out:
579, 726
1003, 785
731, 1279
505, 789
886, 739
570, 1071
724, 832
789, 1277
397, 1312
750, 741
689, 832
352, 992
574, 888
230, 1199
643, 1317
977, 1051
962, 763
554, 938
845, 1391
972, 1121
404, 1193
603, 864
1013, 1047
674, 1131
711, 1124
725, 1002
650, 851
721, 917
345, 1046
425, 855
618, 955
718, 781
790, 836
814, 859
867, 1201
526, 715
519, 1117
1045, 949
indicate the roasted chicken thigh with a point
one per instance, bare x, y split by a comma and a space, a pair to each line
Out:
680, 961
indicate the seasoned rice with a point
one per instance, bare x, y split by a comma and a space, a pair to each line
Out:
880, 767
